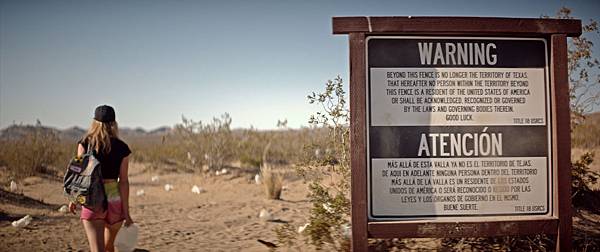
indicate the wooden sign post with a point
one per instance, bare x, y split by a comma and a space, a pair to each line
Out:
460, 127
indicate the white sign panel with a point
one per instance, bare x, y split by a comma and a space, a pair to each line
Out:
458, 126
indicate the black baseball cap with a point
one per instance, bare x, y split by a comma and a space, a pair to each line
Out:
104, 113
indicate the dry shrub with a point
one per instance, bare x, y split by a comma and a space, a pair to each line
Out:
586, 134
326, 168
251, 147
539, 242
194, 145
583, 179
33, 149
211, 144
158, 152
272, 181
271, 178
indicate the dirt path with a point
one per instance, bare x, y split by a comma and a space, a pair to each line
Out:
224, 218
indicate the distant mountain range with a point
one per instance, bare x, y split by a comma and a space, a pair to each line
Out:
74, 133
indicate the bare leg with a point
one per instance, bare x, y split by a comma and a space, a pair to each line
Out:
94, 229
110, 233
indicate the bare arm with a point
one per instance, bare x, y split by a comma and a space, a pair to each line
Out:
80, 150
124, 189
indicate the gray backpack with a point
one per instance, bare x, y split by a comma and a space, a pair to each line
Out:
83, 183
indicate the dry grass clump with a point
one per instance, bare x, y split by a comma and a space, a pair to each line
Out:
159, 152
33, 149
210, 143
272, 182
271, 179
587, 134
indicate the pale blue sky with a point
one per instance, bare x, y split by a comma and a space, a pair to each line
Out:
157, 60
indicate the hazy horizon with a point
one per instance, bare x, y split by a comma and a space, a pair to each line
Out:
155, 61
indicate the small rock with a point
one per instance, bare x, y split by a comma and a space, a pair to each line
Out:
141, 192
168, 187
197, 190
23, 222
257, 179
13, 186
302, 228
63, 209
154, 179
265, 215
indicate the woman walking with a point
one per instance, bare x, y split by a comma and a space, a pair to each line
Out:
101, 227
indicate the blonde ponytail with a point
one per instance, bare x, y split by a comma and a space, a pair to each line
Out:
99, 134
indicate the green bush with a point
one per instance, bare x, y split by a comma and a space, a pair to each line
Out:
581, 175
329, 218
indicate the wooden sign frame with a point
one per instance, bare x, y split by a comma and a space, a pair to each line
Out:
555, 31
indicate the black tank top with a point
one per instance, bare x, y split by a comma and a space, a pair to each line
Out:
110, 162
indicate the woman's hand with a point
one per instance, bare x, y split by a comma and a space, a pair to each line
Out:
72, 207
128, 220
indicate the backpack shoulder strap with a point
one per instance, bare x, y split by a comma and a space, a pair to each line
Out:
89, 149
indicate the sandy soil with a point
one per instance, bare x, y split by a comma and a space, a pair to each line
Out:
224, 218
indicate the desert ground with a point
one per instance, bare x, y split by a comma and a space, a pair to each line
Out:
223, 218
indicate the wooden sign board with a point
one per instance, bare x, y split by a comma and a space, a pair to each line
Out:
460, 127
457, 126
